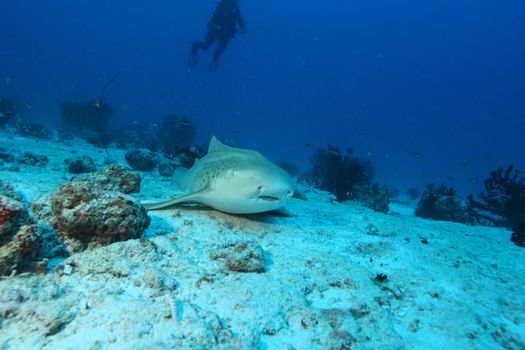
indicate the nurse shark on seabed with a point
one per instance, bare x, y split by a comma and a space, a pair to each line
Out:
232, 180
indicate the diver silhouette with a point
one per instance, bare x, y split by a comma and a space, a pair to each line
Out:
222, 27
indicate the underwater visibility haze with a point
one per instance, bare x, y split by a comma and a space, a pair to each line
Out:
401, 124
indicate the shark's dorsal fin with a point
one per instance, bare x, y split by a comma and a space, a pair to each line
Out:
216, 146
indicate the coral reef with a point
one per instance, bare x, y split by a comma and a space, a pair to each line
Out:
87, 215
20, 238
344, 176
142, 159
176, 134
443, 204
80, 165
34, 130
503, 201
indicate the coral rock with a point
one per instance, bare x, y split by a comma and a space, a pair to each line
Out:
19, 253
114, 177
142, 159
88, 215
80, 165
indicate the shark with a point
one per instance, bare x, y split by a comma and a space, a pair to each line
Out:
232, 180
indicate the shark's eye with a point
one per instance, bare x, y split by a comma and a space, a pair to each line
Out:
260, 189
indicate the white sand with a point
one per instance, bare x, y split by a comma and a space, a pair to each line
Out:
465, 289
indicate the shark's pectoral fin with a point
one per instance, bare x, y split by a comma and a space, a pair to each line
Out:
283, 211
187, 198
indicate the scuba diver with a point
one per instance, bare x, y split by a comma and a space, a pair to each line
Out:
222, 27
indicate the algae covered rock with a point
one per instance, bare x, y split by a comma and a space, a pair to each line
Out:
242, 256
114, 177
80, 165
88, 215
142, 159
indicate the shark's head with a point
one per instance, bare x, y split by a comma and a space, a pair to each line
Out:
254, 189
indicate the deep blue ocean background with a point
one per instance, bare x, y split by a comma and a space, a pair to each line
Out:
430, 91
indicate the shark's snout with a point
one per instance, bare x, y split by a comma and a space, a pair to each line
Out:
277, 195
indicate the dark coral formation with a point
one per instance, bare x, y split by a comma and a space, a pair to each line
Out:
6, 156
242, 256
518, 235
87, 215
413, 193
346, 177
442, 203
32, 159
176, 134
167, 167
34, 130
20, 237
142, 159
503, 201
377, 198
91, 116
80, 165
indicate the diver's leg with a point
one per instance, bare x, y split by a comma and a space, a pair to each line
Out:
193, 59
214, 64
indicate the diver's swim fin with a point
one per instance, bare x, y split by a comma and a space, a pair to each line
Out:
193, 59
214, 66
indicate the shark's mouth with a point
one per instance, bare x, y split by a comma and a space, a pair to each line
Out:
269, 198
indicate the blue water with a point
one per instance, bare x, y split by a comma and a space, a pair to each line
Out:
430, 91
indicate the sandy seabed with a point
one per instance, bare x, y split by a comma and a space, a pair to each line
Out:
448, 286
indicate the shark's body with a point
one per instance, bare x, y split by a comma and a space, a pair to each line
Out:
232, 180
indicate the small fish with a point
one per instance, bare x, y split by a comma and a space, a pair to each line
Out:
333, 150
473, 180
28, 105
494, 114
415, 153
237, 131
306, 144
98, 103
185, 122
8, 82
349, 150
488, 156
466, 162
451, 178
